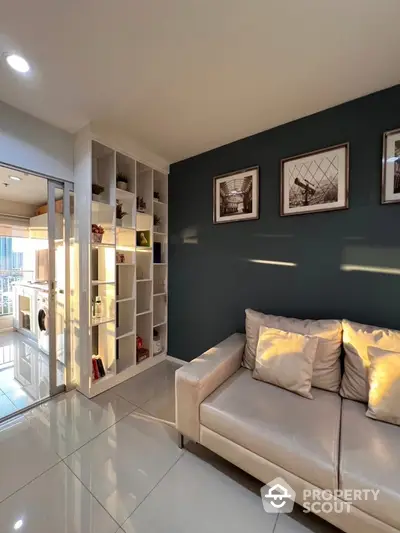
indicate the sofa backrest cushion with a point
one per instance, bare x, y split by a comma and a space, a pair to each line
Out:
357, 339
326, 369
286, 359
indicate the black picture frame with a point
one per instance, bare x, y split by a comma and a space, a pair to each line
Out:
236, 196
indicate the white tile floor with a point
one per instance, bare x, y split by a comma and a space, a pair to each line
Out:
24, 373
108, 465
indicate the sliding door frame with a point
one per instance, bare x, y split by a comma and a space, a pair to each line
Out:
54, 289
53, 184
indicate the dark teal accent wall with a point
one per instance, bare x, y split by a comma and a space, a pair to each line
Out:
212, 281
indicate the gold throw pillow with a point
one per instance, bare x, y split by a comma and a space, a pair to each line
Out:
285, 359
384, 385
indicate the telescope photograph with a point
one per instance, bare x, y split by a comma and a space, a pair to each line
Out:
315, 182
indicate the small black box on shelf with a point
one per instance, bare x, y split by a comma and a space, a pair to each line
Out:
157, 252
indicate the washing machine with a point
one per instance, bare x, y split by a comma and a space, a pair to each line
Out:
42, 309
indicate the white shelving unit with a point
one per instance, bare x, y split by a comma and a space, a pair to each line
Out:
127, 269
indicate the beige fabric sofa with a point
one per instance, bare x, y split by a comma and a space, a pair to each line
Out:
325, 443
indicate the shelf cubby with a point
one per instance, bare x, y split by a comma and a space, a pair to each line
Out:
126, 238
143, 266
160, 278
161, 227
162, 333
125, 283
104, 215
144, 187
144, 331
103, 261
126, 352
143, 297
106, 291
126, 166
144, 221
159, 310
160, 189
160, 248
143, 239
103, 171
127, 200
125, 318
125, 257
103, 345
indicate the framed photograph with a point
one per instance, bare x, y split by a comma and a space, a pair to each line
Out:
390, 189
236, 196
315, 182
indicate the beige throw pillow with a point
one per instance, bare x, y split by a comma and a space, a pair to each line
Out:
326, 371
285, 359
357, 339
384, 385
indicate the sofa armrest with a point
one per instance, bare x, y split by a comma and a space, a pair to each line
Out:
199, 378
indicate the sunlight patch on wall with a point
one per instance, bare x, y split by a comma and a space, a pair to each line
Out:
190, 236
368, 268
276, 263
373, 259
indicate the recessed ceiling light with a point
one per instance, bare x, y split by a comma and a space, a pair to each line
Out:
18, 63
14, 178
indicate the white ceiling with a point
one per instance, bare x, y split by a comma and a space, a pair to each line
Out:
185, 76
30, 190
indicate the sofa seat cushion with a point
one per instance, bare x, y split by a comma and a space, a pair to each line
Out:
295, 433
370, 459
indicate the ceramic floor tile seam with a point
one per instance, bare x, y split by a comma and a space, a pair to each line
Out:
130, 401
32, 480
157, 419
4, 395
162, 388
155, 486
62, 457
91, 493
276, 522
8, 398
123, 397
16, 407
36, 430
98, 434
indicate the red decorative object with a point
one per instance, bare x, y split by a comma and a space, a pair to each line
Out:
139, 343
95, 369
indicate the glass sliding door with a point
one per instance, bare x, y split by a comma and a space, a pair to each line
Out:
36, 250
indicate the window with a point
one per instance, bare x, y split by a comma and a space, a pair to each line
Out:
16, 264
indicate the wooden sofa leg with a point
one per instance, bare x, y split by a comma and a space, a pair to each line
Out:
180, 441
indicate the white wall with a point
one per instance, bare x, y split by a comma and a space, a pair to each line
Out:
17, 208
32, 144
121, 142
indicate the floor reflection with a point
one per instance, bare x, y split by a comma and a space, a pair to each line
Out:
24, 373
